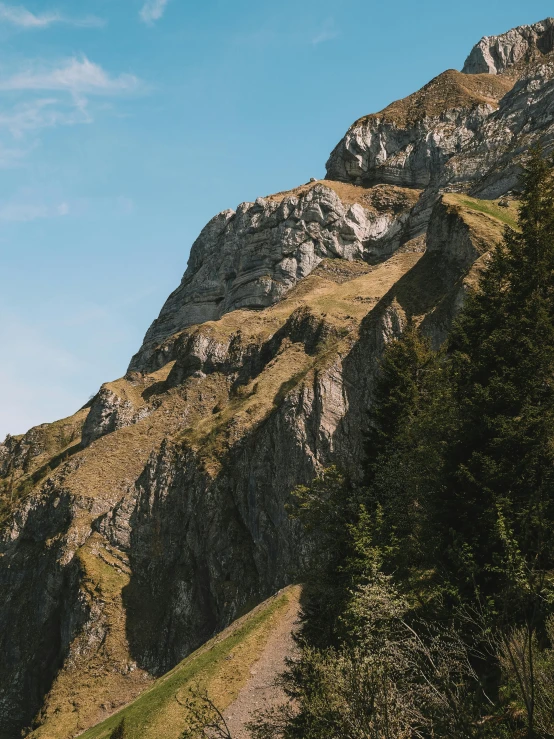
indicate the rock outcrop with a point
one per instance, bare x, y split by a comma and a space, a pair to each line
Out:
497, 54
251, 257
136, 529
409, 142
466, 130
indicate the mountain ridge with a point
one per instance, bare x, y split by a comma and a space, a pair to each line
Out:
148, 521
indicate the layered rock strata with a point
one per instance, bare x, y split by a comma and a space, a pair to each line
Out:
465, 130
251, 257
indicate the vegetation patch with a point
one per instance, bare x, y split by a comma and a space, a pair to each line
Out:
221, 667
507, 214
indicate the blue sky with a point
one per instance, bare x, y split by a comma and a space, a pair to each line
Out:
125, 125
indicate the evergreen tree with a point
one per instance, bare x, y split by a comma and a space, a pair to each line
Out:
496, 511
411, 415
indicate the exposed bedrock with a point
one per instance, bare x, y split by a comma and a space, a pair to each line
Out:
41, 609
466, 130
496, 54
252, 257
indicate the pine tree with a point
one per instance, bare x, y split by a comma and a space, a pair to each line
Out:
399, 391
497, 507
404, 449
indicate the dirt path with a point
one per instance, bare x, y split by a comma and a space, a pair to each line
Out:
260, 691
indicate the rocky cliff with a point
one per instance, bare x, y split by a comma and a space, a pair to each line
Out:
139, 527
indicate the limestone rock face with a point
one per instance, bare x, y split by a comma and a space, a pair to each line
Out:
252, 257
171, 516
490, 164
466, 130
409, 142
496, 54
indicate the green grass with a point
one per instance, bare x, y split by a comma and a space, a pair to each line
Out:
490, 208
198, 669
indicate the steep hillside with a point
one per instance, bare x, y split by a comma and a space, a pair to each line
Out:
224, 668
149, 521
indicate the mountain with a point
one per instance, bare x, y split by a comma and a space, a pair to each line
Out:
153, 518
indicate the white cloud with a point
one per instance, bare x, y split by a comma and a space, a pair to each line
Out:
56, 95
25, 211
41, 96
152, 10
19, 16
78, 76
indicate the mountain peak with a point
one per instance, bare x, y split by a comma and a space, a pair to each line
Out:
496, 54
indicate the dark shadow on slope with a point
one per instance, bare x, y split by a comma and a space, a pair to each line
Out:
203, 549
41, 617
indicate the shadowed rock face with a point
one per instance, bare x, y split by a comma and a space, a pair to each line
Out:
151, 518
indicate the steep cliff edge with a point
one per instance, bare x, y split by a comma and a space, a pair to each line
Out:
498, 54
135, 530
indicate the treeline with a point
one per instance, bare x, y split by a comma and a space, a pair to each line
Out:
431, 597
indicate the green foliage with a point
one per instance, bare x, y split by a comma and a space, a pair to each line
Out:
528, 677
497, 506
327, 508
491, 209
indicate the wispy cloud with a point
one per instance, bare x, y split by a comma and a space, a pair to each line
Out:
24, 212
152, 10
327, 32
19, 16
40, 96
78, 76
44, 113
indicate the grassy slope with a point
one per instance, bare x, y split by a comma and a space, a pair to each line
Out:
222, 666
505, 214
451, 89
203, 413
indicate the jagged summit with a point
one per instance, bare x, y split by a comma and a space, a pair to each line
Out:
463, 130
466, 130
497, 54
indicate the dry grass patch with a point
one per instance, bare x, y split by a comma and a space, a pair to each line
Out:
486, 218
341, 306
451, 89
